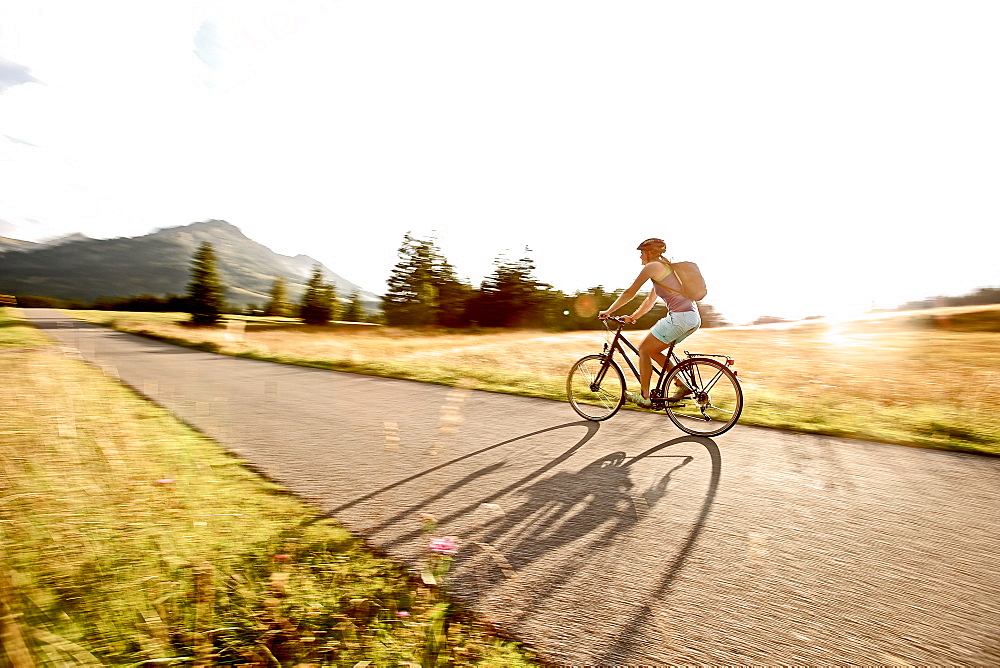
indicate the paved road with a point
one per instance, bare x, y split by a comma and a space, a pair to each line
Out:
623, 542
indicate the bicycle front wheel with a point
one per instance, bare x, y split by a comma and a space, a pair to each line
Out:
714, 401
596, 387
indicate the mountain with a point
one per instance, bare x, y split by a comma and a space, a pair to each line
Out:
7, 244
16, 245
159, 263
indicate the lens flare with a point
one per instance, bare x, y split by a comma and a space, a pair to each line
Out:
585, 306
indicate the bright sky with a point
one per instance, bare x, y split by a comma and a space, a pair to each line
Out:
812, 157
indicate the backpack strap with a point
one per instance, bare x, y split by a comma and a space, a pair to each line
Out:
667, 287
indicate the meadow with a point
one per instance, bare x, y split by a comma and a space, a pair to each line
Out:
126, 538
926, 378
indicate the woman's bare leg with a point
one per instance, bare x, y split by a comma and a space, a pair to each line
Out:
650, 350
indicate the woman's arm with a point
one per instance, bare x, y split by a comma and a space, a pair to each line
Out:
643, 307
647, 273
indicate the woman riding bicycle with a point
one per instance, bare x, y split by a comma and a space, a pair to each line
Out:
682, 318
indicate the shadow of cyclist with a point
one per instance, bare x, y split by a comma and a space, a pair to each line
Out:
578, 516
592, 504
628, 638
413, 509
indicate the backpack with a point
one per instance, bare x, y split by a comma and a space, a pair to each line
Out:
692, 282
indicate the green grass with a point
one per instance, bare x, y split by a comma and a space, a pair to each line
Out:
126, 537
926, 378
15, 333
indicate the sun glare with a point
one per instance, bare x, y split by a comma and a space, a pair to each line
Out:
838, 330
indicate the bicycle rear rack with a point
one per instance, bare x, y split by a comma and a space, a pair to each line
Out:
729, 360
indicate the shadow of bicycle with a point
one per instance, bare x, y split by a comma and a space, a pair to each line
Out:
588, 520
542, 536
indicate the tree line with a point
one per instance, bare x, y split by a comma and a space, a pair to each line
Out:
423, 289
980, 297
318, 305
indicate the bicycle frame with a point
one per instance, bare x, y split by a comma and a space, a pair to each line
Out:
616, 344
708, 399
658, 393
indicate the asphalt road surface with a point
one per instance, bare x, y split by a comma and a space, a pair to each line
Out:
623, 542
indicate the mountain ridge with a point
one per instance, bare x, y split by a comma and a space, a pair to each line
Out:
159, 264
18, 245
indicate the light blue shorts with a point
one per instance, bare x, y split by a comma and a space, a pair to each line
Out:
676, 326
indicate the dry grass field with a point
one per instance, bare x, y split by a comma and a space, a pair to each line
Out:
927, 378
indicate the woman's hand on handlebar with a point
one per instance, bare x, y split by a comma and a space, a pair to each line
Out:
627, 319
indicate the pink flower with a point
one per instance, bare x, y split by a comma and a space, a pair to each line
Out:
165, 481
402, 613
446, 545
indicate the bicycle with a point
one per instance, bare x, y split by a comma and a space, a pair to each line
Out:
709, 401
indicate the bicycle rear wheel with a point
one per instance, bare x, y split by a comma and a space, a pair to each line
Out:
715, 402
595, 388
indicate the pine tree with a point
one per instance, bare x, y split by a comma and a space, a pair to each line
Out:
330, 302
278, 306
513, 297
319, 301
204, 298
412, 296
423, 288
454, 296
355, 311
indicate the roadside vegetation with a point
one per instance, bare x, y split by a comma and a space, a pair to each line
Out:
126, 538
929, 378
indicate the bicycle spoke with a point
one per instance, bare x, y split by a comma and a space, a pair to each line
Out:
714, 406
708, 387
595, 388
